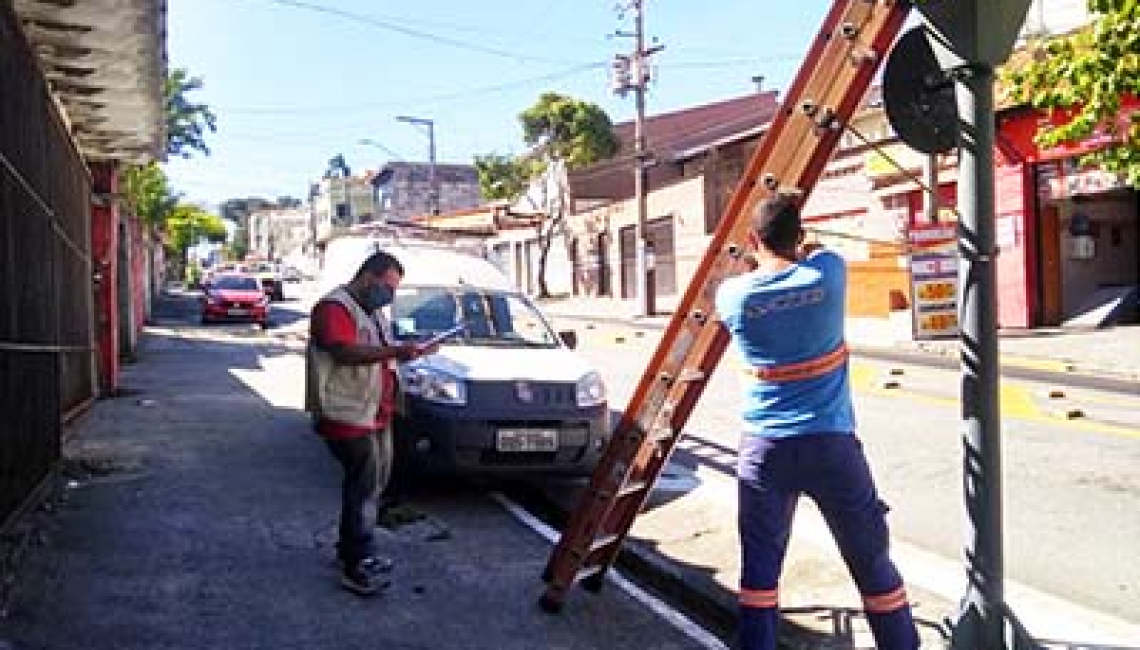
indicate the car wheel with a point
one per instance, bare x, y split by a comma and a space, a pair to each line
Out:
264, 324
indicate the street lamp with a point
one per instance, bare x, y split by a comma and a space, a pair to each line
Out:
373, 143
433, 192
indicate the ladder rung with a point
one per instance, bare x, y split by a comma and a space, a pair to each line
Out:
586, 572
633, 487
604, 541
691, 374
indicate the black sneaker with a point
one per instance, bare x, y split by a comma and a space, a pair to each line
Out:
363, 578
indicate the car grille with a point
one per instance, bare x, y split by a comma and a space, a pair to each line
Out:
524, 395
237, 304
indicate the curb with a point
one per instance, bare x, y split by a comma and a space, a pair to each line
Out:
1014, 366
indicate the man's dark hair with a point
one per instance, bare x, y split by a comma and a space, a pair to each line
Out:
379, 262
777, 223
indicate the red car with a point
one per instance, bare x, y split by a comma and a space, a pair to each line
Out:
235, 296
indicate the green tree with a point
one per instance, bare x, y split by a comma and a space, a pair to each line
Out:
501, 177
187, 121
145, 189
564, 134
189, 224
1086, 74
563, 128
146, 193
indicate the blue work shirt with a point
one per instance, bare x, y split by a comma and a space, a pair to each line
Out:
791, 316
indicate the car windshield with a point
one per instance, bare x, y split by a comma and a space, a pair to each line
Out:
490, 317
235, 283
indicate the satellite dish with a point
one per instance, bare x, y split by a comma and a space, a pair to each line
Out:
919, 96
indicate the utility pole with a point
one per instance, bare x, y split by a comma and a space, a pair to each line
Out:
433, 182
631, 72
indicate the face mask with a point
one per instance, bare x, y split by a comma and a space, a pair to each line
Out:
379, 295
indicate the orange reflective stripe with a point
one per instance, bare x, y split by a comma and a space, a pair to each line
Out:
759, 597
809, 369
888, 602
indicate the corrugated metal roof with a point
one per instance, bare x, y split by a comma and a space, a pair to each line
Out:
105, 61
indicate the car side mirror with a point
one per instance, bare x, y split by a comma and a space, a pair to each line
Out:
570, 338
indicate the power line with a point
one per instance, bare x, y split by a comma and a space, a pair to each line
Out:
414, 33
362, 107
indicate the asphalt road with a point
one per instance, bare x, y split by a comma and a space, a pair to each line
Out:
199, 511
1072, 492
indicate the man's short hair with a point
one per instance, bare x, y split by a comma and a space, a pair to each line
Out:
777, 223
380, 262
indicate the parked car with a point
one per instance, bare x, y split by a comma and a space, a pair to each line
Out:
269, 277
235, 296
507, 395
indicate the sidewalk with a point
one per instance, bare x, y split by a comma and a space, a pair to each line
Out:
1112, 352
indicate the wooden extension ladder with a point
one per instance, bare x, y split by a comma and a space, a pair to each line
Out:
828, 88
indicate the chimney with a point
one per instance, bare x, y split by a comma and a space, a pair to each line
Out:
759, 81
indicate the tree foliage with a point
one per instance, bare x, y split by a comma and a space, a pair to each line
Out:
187, 121
563, 133
576, 132
1086, 75
145, 189
188, 224
502, 177
146, 193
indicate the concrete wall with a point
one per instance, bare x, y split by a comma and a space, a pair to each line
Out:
682, 204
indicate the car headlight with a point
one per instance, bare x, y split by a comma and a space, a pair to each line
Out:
591, 390
435, 386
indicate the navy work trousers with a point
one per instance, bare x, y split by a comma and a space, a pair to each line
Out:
831, 469
367, 463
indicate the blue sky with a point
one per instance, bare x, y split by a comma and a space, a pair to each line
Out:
293, 84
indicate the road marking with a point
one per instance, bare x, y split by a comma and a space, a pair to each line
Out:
659, 607
1017, 403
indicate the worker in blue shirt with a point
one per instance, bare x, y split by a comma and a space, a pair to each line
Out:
786, 319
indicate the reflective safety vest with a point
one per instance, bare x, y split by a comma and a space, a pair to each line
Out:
349, 394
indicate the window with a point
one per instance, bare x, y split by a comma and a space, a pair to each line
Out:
491, 318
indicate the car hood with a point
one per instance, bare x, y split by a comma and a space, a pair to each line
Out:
230, 294
507, 364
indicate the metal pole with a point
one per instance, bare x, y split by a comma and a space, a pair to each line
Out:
980, 626
433, 197
932, 197
640, 179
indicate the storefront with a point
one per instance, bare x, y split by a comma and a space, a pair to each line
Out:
1078, 234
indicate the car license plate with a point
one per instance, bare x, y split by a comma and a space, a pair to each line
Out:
521, 440
238, 312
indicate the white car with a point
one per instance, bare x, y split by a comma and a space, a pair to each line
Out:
507, 394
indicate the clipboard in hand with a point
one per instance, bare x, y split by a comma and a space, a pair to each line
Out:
442, 336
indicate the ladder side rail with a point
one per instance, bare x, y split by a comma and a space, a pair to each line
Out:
599, 508
805, 180
711, 339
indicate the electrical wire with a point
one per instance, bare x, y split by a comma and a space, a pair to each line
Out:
460, 94
365, 19
906, 173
